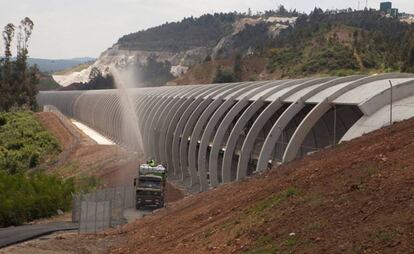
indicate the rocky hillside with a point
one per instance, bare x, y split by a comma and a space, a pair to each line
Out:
181, 45
277, 44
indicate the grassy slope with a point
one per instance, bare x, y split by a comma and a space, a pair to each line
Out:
356, 198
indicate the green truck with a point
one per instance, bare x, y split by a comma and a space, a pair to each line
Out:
150, 186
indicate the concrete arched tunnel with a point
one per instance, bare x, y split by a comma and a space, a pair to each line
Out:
213, 134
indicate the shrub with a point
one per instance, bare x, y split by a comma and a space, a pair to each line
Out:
24, 142
28, 197
24, 196
224, 76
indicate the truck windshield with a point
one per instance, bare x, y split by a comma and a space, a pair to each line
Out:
149, 184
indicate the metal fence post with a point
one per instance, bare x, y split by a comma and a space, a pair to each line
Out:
110, 216
87, 212
123, 199
96, 213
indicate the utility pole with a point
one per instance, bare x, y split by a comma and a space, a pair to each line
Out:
391, 101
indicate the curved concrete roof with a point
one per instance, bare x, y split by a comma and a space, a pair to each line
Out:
211, 134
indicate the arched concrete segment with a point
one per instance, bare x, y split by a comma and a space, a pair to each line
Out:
192, 151
248, 144
166, 116
147, 114
275, 132
195, 132
158, 113
267, 113
173, 117
188, 129
287, 116
321, 108
378, 101
158, 101
183, 121
169, 137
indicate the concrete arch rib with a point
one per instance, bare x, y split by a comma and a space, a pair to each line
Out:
159, 109
189, 127
146, 115
287, 116
204, 142
158, 125
158, 100
146, 102
320, 109
268, 112
215, 100
193, 129
110, 117
100, 116
181, 126
170, 115
169, 137
143, 103
224, 125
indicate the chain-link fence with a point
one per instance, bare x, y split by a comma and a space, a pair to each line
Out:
102, 209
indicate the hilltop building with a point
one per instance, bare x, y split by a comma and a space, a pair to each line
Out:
386, 8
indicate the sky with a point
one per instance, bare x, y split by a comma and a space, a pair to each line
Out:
80, 28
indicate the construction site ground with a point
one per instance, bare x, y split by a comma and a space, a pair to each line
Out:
108, 165
355, 198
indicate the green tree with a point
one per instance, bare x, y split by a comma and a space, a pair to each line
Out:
224, 76
237, 68
409, 64
18, 83
24, 89
6, 82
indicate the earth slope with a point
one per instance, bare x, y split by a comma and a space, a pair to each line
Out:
356, 198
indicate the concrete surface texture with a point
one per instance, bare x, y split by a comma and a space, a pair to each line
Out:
98, 138
211, 134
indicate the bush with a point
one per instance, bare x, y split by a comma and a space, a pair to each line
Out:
24, 143
224, 76
29, 197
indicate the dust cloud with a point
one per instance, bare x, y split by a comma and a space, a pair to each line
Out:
125, 82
